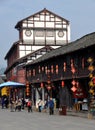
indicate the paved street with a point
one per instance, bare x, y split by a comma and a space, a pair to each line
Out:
42, 121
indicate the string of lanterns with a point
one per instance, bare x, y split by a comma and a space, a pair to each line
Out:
28, 90
73, 70
91, 76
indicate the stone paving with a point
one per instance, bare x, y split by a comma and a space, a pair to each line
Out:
42, 121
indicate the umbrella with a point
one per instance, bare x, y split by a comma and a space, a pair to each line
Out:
11, 83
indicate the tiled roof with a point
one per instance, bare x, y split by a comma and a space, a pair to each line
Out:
84, 42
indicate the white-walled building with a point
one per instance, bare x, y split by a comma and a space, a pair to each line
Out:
41, 29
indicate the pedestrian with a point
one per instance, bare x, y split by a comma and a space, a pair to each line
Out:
19, 104
45, 104
23, 103
2, 102
16, 104
40, 105
11, 104
51, 106
26, 101
6, 102
29, 105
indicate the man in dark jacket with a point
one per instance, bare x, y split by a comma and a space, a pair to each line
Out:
51, 106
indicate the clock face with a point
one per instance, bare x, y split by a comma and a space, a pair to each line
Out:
60, 33
28, 32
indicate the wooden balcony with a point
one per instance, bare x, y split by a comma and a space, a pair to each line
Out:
42, 77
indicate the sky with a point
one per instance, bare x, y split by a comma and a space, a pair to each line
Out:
80, 14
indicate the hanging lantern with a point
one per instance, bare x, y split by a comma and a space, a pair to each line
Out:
73, 82
52, 69
91, 68
49, 87
42, 68
42, 85
27, 92
27, 84
91, 83
72, 65
27, 89
73, 88
48, 81
91, 91
62, 84
64, 67
90, 60
57, 69
90, 75
73, 70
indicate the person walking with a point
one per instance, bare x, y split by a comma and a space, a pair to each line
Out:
29, 105
6, 102
23, 103
51, 106
39, 105
19, 104
11, 104
2, 102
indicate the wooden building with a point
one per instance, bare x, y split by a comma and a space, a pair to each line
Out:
64, 73
38, 34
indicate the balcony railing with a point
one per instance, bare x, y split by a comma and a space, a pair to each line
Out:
42, 77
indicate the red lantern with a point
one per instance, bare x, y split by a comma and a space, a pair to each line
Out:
28, 94
42, 85
49, 87
73, 70
73, 89
62, 84
64, 66
48, 81
73, 82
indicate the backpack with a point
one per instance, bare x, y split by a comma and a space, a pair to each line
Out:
29, 103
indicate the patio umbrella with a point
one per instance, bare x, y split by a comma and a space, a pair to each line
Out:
11, 83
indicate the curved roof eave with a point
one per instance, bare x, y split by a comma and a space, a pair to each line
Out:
14, 44
81, 43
